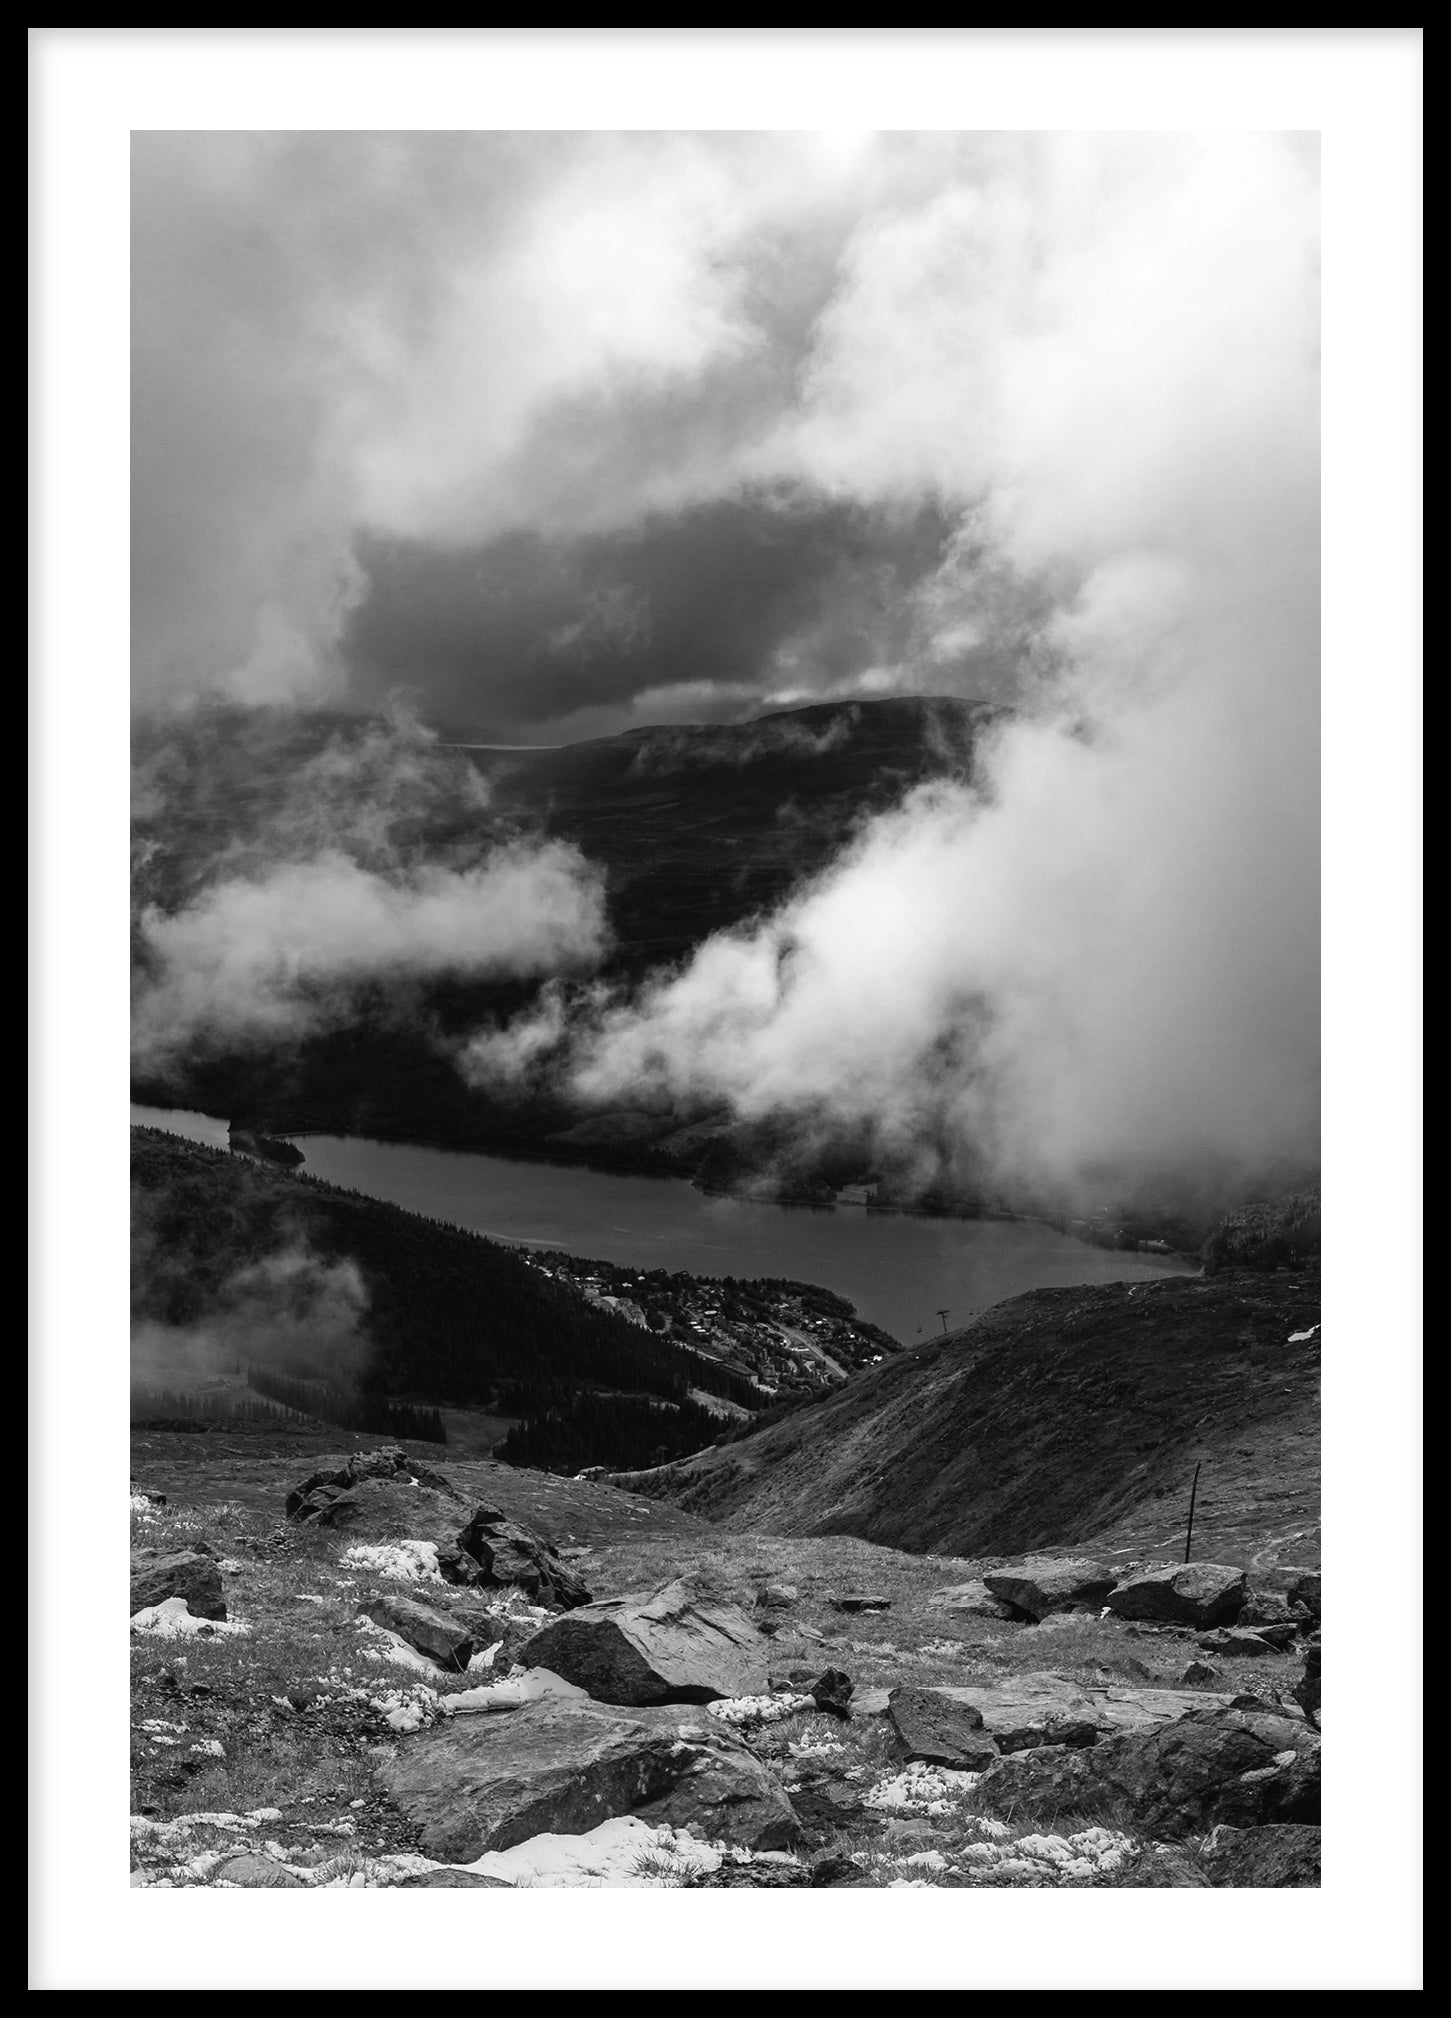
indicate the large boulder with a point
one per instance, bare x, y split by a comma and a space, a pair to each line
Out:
1266, 1608
1305, 1590
665, 1648
328, 1505
1220, 1764
1217, 1764
487, 1783
931, 1725
1192, 1594
1278, 1855
1044, 1709
376, 1486
1306, 1691
1161, 1866
388, 1462
429, 1632
189, 1574
493, 1550
1052, 1584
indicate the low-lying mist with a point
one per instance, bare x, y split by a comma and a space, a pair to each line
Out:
372, 863
290, 1312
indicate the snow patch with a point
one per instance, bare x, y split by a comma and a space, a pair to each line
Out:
407, 1561
921, 1790
609, 1855
747, 1710
814, 1748
182, 1825
170, 1620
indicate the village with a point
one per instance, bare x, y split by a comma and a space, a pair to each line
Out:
784, 1337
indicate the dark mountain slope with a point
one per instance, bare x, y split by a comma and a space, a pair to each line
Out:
700, 827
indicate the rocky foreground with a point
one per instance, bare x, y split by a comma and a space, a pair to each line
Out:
379, 1673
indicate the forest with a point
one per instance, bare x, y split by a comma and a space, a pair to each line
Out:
449, 1317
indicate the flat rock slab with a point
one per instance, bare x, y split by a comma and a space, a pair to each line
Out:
428, 1632
666, 1648
256, 1873
1161, 1867
447, 1874
862, 1604
1191, 1594
487, 1783
186, 1574
1246, 1641
974, 1598
931, 1725
1052, 1584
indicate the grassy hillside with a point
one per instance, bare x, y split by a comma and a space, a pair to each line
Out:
1060, 1417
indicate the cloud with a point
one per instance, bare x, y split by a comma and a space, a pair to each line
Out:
436, 338
547, 375
290, 1310
277, 955
371, 862
1108, 951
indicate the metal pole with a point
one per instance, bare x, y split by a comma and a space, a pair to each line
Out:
1193, 1494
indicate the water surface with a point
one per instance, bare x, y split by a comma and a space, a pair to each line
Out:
900, 1270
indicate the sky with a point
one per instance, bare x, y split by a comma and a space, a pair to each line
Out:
555, 434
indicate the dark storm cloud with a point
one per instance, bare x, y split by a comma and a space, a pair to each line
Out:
719, 600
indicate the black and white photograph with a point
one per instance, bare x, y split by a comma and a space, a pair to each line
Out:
719, 727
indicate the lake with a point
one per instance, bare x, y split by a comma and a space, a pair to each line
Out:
898, 1269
